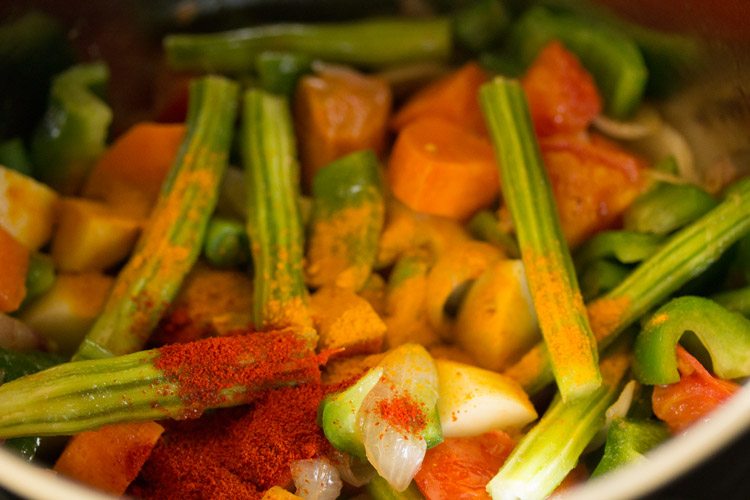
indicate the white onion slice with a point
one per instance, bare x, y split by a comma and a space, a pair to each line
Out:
396, 455
15, 335
316, 479
395, 452
645, 122
618, 409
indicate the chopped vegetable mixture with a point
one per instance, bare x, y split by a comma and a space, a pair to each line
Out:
445, 256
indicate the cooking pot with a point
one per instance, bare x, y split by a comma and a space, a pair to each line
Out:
713, 113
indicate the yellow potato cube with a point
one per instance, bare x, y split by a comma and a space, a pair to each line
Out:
27, 208
66, 312
496, 323
92, 237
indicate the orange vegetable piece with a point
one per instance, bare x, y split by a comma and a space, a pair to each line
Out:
562, 95
111, 457
439, 168
14, 262
129, 174
339, 111
460, 468
593, 182
693, 397
453, 97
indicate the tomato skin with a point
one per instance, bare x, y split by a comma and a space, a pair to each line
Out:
460, 468
562, 95
693, 397
593, 181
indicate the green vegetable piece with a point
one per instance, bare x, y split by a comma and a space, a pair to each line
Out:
612, 58
278, 72
549, 268
226, 244
83, 395
33, 49
406, 268
670, 58
485, 226
73, 132
379, 489
338, 414
627, 441
735, 300
685, 255
274, 225
724, 334
480, 24
15, 364
171, 243
372, 43
25, 447
545, 455
600, 277
666, 208
40, 276
14, 156
348, 216
626, 247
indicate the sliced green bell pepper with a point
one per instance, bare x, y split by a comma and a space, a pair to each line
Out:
724, 334
629, 440
667, 207
612, 57
73, 132
348, 216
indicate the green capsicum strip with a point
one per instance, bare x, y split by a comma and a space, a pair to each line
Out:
274, 224
600, 277
545, 455
169, 382
348, 216
685, 255
724, 334
669, 57
612, 58
546, 259
628, 440
666, 208
626, 247
73, 132
372, 43
735, 300
171, 242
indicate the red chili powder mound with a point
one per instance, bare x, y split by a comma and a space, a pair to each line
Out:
403, 413
256, 361
236, 453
